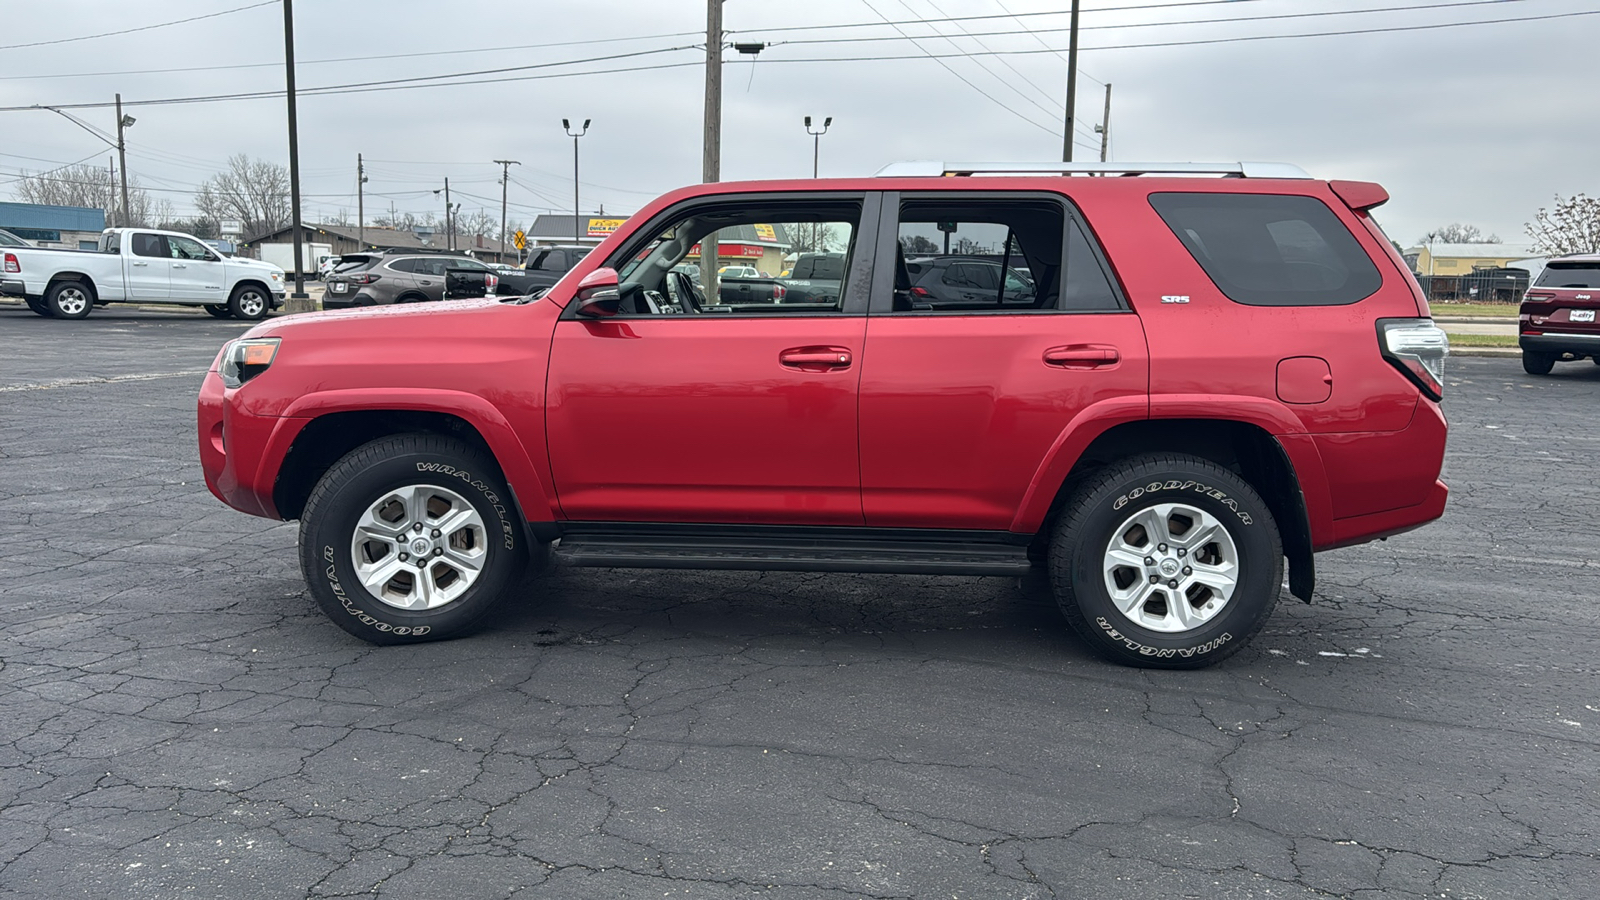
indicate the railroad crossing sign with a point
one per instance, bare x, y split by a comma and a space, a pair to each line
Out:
520, 240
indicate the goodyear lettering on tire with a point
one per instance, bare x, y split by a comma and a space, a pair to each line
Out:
1176, 485
361, 615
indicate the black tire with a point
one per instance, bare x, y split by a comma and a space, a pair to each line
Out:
249, 302
69, 300
1096, 514
219, 310
412, 298
37, 305
356, 484
1536, 363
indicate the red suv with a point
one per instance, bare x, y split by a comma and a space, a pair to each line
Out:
1199, 378
1558, 314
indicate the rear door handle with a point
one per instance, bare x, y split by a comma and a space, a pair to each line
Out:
1082, 356
179, 266
816, 359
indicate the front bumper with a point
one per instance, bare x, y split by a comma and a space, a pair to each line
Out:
1580, 344
241, 472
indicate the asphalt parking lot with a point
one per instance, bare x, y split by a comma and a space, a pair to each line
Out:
176, 719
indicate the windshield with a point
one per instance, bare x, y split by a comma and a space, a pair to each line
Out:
1570, 275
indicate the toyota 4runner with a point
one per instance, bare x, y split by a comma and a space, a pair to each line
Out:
1200, 379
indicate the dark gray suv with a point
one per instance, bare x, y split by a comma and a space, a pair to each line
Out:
393, 276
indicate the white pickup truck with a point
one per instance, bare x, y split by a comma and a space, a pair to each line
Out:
140, 265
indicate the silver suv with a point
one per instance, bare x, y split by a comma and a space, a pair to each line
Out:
394, 276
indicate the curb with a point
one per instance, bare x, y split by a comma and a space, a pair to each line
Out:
1504, 352
1477, 320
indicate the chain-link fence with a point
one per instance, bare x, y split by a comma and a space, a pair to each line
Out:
1479, 286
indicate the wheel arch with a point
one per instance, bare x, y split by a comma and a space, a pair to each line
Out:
80, 277
251, 282
335, 428
1245, 448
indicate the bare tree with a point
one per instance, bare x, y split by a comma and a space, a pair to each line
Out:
1457, 233
87, 186
1572, 226
814, 237
255, 192
470, 225
917, 245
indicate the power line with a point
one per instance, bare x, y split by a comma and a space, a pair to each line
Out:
1008, 15
89, 37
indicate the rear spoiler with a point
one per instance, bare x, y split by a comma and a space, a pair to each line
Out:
1360, 195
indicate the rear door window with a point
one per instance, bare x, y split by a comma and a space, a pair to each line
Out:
1570, 275
1271, 249
148, 245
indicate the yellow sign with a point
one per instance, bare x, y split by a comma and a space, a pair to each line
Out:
604, 227
765, 233
520, 240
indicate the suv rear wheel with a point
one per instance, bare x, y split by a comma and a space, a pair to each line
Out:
410, 538
1166, 561
1536, 363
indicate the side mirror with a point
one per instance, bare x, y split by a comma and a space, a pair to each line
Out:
598, 294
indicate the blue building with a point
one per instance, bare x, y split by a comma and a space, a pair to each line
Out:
72, 227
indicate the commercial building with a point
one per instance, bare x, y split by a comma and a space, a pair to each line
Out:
68, 227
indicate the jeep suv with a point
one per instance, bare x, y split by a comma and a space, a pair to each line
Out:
1210, 378
1557, 319
392, 276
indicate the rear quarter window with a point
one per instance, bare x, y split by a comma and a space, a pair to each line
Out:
1271, 249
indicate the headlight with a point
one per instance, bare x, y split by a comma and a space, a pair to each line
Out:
1416, 347
245, 359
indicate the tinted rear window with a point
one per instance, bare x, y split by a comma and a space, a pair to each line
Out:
1271, 249
1570, 275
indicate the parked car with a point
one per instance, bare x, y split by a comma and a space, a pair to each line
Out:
139, 265
326, 267
740, 272
945, 281
545, 266
383, 277
1215, 375
7, 239
1557, 318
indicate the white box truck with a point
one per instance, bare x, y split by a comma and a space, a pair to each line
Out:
282, 256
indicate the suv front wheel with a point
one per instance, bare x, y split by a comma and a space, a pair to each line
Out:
1166, 561
410, 538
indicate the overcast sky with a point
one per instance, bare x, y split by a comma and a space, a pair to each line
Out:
1479, 124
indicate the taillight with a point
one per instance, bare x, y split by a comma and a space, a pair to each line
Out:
779, 292
921, 293
1538, 296
364, 278
12, 265
490, 283
1416, 347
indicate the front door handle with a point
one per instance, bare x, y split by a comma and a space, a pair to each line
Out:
816, 359
1082, 356
424, 283
141, 264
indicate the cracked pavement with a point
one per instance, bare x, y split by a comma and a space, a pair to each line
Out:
177, 719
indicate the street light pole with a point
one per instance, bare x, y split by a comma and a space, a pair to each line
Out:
299, 301
361, 202
122, 160
505, 176
816, 141
576, 215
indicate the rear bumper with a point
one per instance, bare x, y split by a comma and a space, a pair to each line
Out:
1583, 344
1383, 483
13, 287
330, 300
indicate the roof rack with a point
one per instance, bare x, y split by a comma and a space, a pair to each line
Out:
927, 168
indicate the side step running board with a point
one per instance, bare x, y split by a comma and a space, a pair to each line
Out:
793, 554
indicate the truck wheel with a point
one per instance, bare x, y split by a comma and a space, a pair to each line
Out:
248, 302
37, 305
69, 300
219, 310
1166, 561
1536, 363
410, 538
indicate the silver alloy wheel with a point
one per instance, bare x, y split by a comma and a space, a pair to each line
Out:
251, 303
72, 301
1171, 568
419, 547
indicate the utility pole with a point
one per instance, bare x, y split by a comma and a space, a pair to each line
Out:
449, 233
122, 160
1072, 84
505, 176
711, 168
577, 229
112, 163
816, 141
1105, 125
299, 301
361, 202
